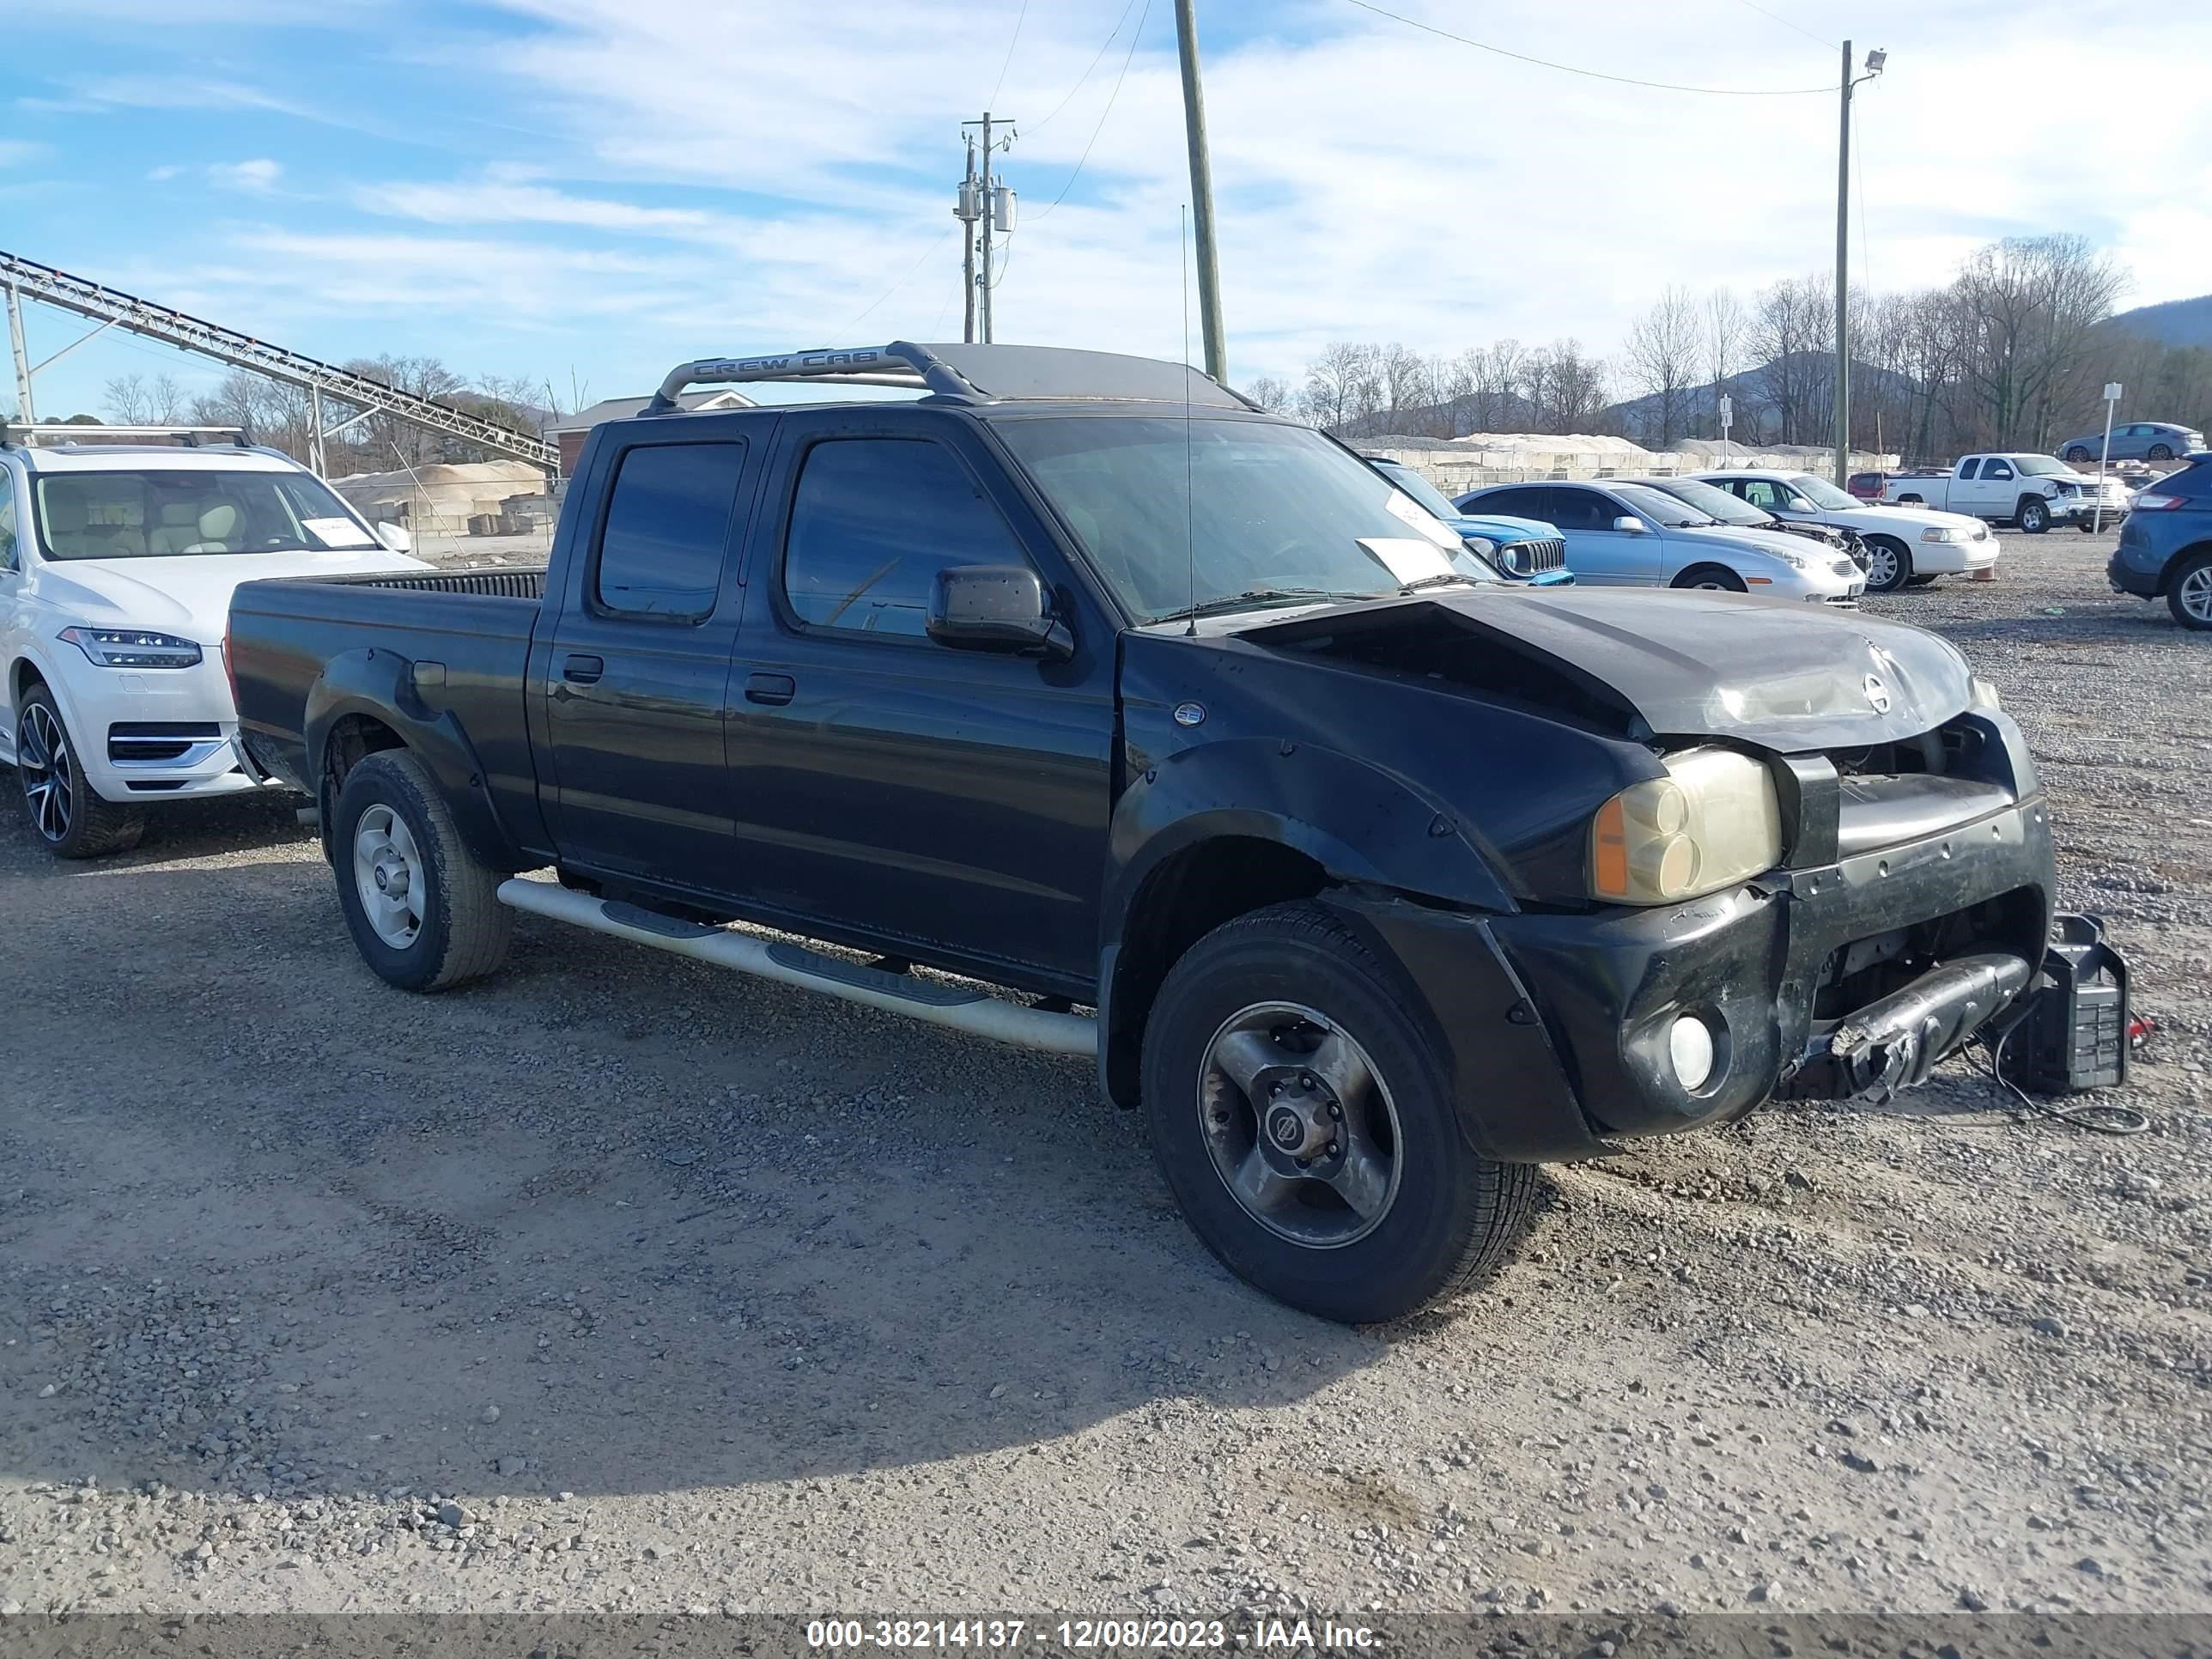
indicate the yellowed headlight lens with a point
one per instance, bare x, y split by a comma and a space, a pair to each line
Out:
1714, 820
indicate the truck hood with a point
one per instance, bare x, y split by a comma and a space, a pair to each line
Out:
1786, 676
188, 595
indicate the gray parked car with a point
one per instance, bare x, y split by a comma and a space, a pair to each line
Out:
2138, 441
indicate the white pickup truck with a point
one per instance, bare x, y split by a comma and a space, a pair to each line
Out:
2032, 491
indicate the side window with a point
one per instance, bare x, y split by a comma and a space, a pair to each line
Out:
1967, 469
873, 521
1513, 503
8, 560
1761, 494
1998, 470
1582, 509
668, 529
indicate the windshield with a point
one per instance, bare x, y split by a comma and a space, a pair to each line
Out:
1715, 503
2041, 466
1216, 513
161, 513
1821, 493
1658, 505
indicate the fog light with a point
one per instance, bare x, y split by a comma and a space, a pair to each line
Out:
1689, 1047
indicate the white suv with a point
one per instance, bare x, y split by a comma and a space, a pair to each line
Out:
117, 564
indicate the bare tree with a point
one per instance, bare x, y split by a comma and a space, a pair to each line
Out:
134, 400
1343, 385
1663, 350
1498, 385
2031, 302
1404, 377
1724, 332
1566, 385
1271, 393
1792, 334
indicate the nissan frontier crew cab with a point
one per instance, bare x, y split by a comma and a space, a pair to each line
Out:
1077, 703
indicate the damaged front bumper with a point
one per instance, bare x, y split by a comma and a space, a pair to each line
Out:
1562, 1025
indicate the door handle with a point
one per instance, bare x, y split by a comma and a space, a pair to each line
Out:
775, 690
582, 670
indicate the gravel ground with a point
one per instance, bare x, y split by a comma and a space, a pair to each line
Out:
620, 1283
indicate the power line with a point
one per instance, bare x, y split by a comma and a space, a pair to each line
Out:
1595, 74
1008, 63
902, 283
1776, 17
1135, 36
1096, 58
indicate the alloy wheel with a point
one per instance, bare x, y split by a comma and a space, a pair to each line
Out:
1881, 566
48, 771
388, 877
1299, 1124
2194, 594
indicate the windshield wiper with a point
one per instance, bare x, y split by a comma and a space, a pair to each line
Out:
1255, 596
1441, 578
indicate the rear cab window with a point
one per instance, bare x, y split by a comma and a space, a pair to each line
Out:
665, 541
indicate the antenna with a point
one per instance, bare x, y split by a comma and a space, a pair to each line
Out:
1189, 492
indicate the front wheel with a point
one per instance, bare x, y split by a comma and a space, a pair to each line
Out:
1299, 1110
1712, 578
2078, 456
2033, 517
2160, 452
422, 911
2190, 595
73, 821
1889, 565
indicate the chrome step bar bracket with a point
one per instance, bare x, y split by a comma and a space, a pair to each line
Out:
977, 1014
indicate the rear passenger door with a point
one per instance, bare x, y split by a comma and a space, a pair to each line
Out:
636, 678
901, 791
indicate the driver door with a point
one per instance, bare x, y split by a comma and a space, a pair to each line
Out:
1596, 552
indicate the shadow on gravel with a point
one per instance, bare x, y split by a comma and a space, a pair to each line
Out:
180, 830
608, 1223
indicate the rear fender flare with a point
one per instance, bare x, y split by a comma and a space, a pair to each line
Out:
379, 684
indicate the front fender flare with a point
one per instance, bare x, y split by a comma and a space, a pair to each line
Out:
379, 683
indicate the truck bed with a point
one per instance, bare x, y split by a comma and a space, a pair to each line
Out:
300, 648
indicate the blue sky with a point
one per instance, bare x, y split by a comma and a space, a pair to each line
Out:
586, 190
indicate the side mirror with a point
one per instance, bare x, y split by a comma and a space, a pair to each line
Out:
395, 537
1629, 523
996, 607
1799, 504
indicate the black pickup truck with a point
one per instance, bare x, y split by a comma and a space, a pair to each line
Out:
1076, 703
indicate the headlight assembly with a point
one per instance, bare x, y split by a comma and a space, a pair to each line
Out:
1937, 533
1713, 821
132, 647
1981, 694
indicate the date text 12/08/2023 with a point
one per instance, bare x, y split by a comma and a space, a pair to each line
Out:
1088, 1635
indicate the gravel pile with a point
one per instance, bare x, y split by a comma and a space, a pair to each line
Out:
621, 1284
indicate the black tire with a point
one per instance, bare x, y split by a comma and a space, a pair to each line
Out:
1451, 1216
67, 817
2031, 515
2077, 456
1920, 581
2189, 593
462, 931
1887, 574
1910, 500
2159, 453
1710, 577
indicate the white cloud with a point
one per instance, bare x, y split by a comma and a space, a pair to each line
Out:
257, 177
21, 152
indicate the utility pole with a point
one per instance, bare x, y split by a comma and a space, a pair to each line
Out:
25, 411
967, 210
1873, 62
989, 205
1201, 193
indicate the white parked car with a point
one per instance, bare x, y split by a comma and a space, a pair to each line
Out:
1906, 546
117, 564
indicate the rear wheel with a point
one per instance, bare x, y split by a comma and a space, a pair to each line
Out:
1714, 578
2160, 453
68, 817
2078, 456
1299, 1110
1889, 565
422, 911
2189, 596
2033, 517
